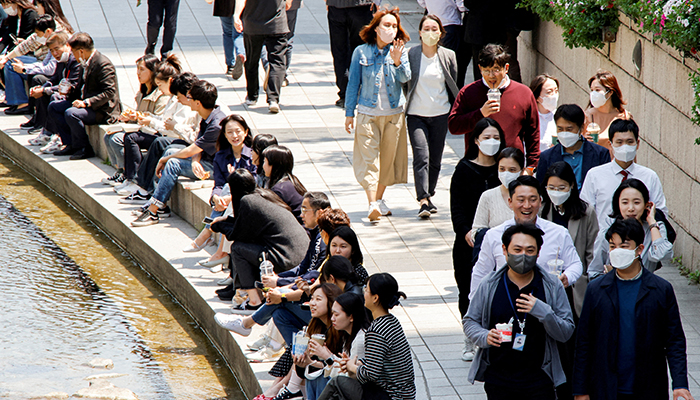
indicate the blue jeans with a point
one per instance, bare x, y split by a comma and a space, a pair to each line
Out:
174, 168
15, 93
315, 387
290, 320
115, 148
233, 41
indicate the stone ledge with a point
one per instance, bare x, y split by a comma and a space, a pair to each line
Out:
156, 248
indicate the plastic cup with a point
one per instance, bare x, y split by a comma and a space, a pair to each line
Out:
319, 338
593, 129
556, 266
300, 343
494, 94
267, 268
506, 331
63, 86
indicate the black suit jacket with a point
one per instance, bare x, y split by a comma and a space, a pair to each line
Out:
70, 70
99, 88
593, 156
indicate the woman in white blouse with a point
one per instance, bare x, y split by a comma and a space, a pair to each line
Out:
431, 91
545, 88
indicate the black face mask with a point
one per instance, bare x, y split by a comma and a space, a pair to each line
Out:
521, 263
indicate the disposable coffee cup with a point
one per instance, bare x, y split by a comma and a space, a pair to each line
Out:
266, 267
556, 266
494, 94
63, 86
506, 331
593, 129
319, 338
595, 137
300, 343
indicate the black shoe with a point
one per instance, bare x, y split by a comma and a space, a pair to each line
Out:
164, 212
4, 105
147, 218
226, 295
431, 207
228, 288
150, 49
19, 111
237, 71
83, 154
9, 109
340, 103
286, 394
66, 151
229, 70
245, 308
29, 124
424, 211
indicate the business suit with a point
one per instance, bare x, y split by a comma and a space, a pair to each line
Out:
593, 156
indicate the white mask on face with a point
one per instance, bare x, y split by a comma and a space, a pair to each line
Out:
489, 146
568, 139
11, 11
558, 198
41, 40
598, 99
507, 177
64, 57
622, 258
430, 38
387, 35
550, 102
625, 153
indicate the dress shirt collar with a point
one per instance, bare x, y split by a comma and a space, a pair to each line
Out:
504, 84
616, 168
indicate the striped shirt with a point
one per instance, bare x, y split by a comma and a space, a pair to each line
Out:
387, 360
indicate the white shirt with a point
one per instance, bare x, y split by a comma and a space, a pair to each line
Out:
556, 239
547, 128
430, 96
602, 181
449, 11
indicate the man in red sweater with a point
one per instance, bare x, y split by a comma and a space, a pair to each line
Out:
516, 111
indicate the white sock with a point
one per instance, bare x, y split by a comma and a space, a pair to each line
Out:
295, 382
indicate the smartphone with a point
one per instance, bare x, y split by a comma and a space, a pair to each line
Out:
305, 306
259, 285
207, 220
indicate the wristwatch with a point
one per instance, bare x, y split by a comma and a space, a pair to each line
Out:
283, 298
654, 225
329, 361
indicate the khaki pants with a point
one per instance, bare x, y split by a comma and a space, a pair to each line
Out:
380, 153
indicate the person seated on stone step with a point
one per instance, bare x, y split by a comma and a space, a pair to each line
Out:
194, 161
277, 165
98, 102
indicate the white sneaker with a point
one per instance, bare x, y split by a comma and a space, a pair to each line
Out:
468, 352
53, 145
260, 343
225, 282
41, 140
126, 188
383, 207
234, 323
373, 214
249, 102
274, 107
266, 354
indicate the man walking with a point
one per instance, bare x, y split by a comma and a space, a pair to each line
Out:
161, 13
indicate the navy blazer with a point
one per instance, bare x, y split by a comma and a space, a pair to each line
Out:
593, 156
659, 338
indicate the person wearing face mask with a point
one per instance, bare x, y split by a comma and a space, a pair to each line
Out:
532, 304
630, 336
545, 88
558, 253
20, 22
573, 147
378, 70
601, 181
431, 91
631, 200
605, 104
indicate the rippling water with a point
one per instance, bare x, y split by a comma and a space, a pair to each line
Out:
69, 295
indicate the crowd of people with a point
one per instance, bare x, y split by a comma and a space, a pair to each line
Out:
558, 231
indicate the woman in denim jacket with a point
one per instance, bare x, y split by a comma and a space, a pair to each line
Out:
377, 71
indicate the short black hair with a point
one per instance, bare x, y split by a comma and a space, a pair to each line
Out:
317, 200
525, 229
627, 229
627, 184
81, 40
204, 92
181, 84
623, 125
572, 113
523, 180
493, 54
45, 22
514, 153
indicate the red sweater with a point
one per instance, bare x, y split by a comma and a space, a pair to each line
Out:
518, 116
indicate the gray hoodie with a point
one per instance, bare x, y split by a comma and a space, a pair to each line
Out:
554, 314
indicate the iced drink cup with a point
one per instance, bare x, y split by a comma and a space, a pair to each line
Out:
506, 331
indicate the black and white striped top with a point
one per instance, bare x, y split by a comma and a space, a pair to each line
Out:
387, 360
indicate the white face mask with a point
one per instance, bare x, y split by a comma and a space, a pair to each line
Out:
65, 56
558, 198
489, 146
598, 99
568, 139
387, 35
41, 40
507, 177
625, 153
550, 102
430, 38
11, 11
622, 258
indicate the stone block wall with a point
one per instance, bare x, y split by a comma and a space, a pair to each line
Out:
660, 98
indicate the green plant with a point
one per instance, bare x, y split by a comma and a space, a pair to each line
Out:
694, 277
695, 112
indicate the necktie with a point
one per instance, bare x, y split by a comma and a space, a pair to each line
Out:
624, 174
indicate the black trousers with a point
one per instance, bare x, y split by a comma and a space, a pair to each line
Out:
462, 262
161, 13
133, 143
512, 49
276, 46
494, 392
427, 136
454, 40
245, 260
147, 169
38, 80
344, 26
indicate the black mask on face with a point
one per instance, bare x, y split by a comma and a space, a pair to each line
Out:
521, 263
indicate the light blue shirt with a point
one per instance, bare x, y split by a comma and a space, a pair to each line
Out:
576, 162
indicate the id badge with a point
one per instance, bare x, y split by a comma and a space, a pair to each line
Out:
519, 342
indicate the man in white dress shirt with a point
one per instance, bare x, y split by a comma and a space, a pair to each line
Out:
525, 201
602, 181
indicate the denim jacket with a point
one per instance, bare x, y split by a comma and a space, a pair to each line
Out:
366, 62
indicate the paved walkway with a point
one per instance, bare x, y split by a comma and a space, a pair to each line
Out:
417, 252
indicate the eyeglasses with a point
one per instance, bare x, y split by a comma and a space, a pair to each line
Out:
557, 189
491, 72
304, 209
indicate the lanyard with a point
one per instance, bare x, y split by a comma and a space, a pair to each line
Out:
521, 324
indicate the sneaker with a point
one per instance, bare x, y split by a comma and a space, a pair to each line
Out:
424, 211
266, 354
229, 70
237, 70
248, 102
259, 344
52, 146
431, 206
27, 125
274, 107
145, 219
135, 198
41, 140
114, 180
245, 308
225, 282
373, 214
340, 103
162, 212
233, 323
125, 188
285, 394
35, 130
468, 350
383, 207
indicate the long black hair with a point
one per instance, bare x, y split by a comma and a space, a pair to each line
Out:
634, 184
346, 233
53, 8
151, 63
223, 143
385, 286
574, 207
341, 269
354, 306
281, 160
